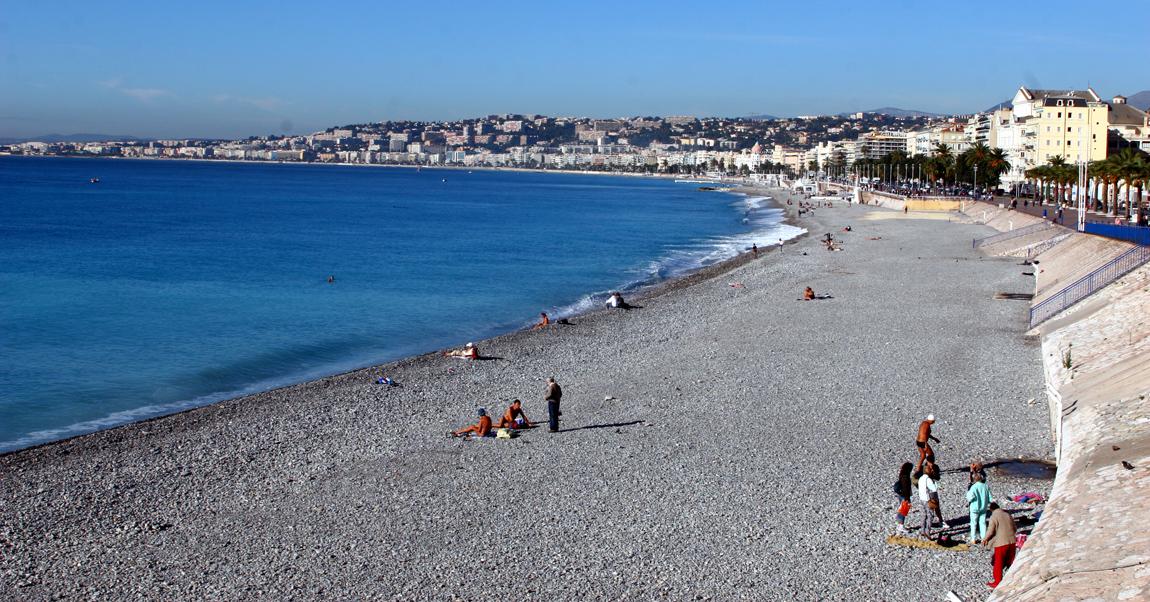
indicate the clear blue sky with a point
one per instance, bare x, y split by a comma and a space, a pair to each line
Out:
239, 68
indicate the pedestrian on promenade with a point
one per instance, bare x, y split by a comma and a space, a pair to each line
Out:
554, 394
926, 486
1000, 536
923, 440
902, 489
978, 496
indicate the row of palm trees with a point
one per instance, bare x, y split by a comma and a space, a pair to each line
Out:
944, 165
1128, 169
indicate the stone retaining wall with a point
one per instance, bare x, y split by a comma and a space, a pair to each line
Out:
1093, 541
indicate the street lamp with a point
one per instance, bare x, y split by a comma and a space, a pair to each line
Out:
976, 181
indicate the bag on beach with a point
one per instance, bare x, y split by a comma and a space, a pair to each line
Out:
503, 434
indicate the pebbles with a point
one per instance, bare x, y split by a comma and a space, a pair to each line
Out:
715, 446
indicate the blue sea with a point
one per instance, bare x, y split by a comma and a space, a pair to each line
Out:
172, 284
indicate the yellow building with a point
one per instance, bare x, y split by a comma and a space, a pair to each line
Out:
1061, 123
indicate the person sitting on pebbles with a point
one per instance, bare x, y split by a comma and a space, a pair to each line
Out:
544, 321
809, 294
469, 352
616, 301
479, 429
514, 418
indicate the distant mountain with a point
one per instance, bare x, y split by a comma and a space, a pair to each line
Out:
52, 138
895, 112
1140, 100
763, 117
1006, 104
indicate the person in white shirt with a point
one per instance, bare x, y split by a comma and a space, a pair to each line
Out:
926, 486
616, 301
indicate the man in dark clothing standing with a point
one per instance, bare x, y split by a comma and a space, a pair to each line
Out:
554, 394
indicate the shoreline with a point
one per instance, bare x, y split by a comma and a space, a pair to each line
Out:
730, 429
725, 179
640, 292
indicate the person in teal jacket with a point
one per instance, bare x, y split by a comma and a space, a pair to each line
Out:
979, 497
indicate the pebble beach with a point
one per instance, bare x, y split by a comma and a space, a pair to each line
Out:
724, 440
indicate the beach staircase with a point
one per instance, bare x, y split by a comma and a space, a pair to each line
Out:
1012, 235
1040, 247
1087, 285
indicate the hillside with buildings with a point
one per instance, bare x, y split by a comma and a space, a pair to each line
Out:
1034, 128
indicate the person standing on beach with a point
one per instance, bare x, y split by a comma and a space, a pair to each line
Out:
554, 394
926, 486
1000, 536
923, 439
755, 250
979, 498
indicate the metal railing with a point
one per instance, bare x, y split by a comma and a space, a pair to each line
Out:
1089, 284
1005, 236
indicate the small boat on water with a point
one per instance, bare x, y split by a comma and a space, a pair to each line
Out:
94, 180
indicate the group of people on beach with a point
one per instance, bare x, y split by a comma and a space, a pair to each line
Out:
515, 418
990, 524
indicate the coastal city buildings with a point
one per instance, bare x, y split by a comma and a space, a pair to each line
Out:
1033, 129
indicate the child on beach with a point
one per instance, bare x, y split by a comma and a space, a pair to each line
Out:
902, 489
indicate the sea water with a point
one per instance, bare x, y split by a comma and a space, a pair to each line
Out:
171, 284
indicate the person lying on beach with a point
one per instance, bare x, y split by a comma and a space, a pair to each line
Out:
469, 352
544, 321
809, 294
480, 429
514, 417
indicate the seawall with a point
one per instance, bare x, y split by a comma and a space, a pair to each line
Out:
1092, 541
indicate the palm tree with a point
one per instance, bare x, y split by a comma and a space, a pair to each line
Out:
1039, 175
1100, 171
996, 165
1129, 164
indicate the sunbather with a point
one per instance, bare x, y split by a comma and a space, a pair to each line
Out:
809, 294
480, 429
544, 321
469, 351
514, 417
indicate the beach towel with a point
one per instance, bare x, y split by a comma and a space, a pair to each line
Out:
926, 544
504, 434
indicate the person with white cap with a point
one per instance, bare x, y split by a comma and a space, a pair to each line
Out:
923, 440
469, 351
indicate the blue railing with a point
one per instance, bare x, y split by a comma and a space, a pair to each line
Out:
1004, 236
1139, 235
1089, 284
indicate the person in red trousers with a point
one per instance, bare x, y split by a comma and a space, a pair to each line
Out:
1000, 536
